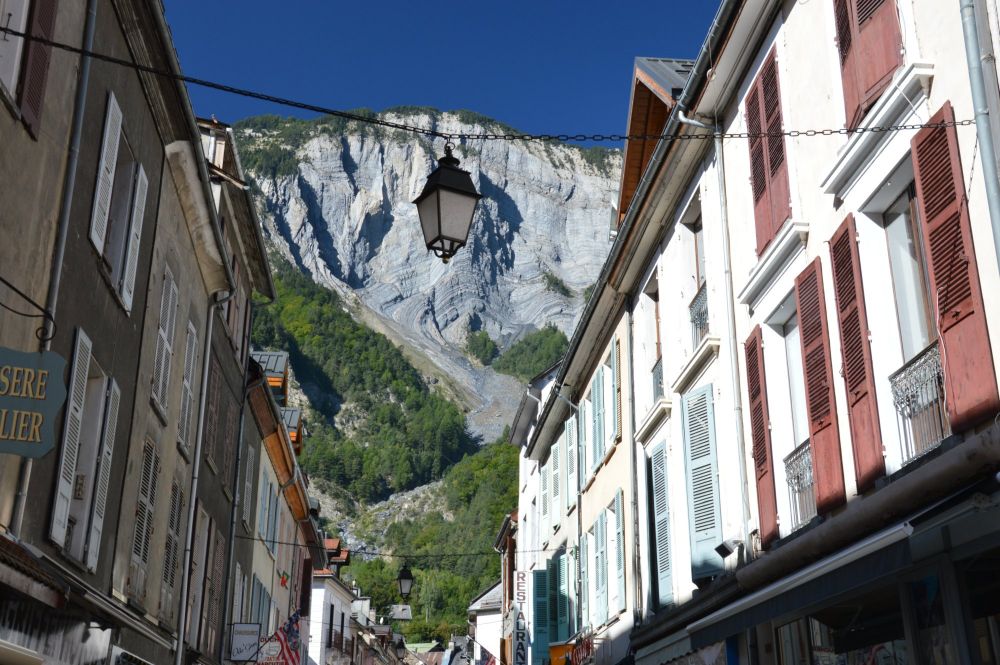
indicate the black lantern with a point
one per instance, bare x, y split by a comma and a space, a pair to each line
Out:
405, 580
446, 206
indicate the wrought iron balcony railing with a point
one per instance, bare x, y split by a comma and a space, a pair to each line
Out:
799, 476
698, 310
658, 380
918, 395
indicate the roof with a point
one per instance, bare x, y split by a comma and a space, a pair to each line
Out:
488, 600
274, 362
424, 647
667, 74
22, 570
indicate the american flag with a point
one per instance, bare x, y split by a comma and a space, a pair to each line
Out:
288, 638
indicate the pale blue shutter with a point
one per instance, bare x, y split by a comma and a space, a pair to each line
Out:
601, 563
556, 508
570, 474
698, 419
661, 525
584, 578
552, 569
620, 549
616, 402
562, 602
597, 399
540, 617
543, 524
582, 429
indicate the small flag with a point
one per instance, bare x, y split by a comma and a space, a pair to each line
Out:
284, 579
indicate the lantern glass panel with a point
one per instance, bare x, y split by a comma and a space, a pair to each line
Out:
427, 209
456, 214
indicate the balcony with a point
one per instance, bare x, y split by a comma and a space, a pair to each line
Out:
799, 476
335, 640
918, 395
658, 380
698, 310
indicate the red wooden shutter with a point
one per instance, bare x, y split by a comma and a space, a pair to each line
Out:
880, 46
760, 432
777, 174
843, 11
36, 63
970, 385
824, 441
862, 410
758, 169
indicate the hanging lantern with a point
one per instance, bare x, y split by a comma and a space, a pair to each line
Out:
405, 581
446, 206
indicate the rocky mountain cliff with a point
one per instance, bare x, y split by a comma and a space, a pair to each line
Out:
337, 204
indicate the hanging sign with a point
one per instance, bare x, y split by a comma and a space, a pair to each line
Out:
31, 394
244, 640
519, 642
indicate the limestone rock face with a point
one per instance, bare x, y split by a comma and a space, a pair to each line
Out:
342, 212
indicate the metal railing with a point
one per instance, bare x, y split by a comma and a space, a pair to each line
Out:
698, 310
658, 380
918, 395
799, 476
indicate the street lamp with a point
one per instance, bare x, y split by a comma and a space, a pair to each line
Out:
446, 206
405, 581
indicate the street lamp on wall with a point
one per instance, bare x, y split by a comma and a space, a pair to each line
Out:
405, 581
446, 206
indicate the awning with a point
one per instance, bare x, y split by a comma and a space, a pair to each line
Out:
23, 571
875, 558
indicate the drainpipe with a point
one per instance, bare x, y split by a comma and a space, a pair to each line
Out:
237, 498
734, 367
66, 204
633, 466
984, 132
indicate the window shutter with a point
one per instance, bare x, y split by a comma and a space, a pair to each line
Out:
165, 340
144, 525
661, 525
970, 385
824, 440
760, 432
620, 549
616, 388
584, 578
218, 591
563, 599
237, 611
758, 169
570, 435
540, 617
601, 562
36, 63
544, 479
880, 46
248, 488
187, 393
843, 11
768, 166
265, 488
597, 400
582, 428
698, 421
552, 570
71, 437
171, 554
557, 500
106, 173
862, 410
103, 475
134, 237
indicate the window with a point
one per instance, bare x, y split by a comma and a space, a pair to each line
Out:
164, 353
702, 471
870, 47
87, 450
909, 274
13, 15
24, 68
119, 206
699, 252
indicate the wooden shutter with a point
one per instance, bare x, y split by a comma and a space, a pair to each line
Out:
248, 488
870, 45
597, 400
36, 63
705, 520
768, 165
862, 410
571, 448
661, 525
187, 391
106, 173
616, 388
134, 237
540, 617
556, 479
760, 433
144, 523
171, 553
620, 549
75, 401
165, 340
103, 475
584, 578
824, 439
843, 12
970, 384
601, 564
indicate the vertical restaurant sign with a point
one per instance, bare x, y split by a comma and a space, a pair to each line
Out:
31, 393
520, 635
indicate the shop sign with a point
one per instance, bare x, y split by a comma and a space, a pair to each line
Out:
519, 644
583, 650
243, 642
31, 394
270, 652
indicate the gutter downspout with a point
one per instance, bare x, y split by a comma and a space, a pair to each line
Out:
634, 470
237, 498
734, 367
980, 103
62, 231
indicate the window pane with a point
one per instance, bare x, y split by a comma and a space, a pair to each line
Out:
982, 588
796, 380
933, 639
699, 250
121, 209
909, 285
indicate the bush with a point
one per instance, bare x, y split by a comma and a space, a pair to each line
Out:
532, 354
480, 346
556, 285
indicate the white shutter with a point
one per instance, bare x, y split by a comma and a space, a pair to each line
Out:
570, 462
248, 487
556, 480
583, 441
187, 394
165, 339
103, 475
172, 552
106, 174
71, 437
237, 612
544, 523
584, 578
262, 508
144, 507
597, 400
620, 549
134, 237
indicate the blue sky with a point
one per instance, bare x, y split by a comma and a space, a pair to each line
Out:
546, 66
